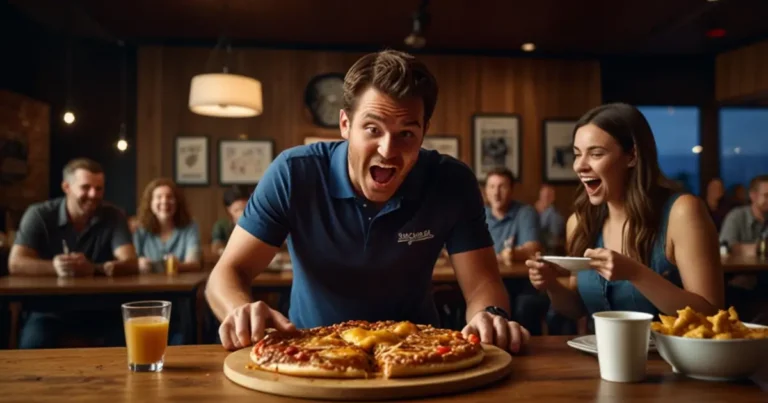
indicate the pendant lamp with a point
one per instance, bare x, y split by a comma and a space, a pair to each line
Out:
225, 94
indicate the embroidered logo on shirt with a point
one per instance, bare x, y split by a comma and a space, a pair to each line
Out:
411, 237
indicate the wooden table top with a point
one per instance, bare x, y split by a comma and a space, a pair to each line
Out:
744, 264
17, 285
550, 371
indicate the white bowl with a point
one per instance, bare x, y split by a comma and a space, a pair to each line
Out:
572, 264
713, 360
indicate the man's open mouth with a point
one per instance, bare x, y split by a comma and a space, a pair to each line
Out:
382, 175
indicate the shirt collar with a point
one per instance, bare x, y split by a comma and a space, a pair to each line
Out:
751, 219
341, 187
64, 215
509, 214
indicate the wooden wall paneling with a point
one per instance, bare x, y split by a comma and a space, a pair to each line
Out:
457, 99
149, 121
533, 89
742, 74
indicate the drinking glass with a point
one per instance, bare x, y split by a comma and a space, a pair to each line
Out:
146, 334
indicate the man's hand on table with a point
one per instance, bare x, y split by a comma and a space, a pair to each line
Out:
493, 329
72, 265
247, 323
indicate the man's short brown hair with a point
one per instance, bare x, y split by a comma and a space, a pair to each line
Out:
756, 181
501, 171
397, 74
81, 163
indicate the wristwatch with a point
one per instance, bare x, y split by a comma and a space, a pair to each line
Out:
495, 310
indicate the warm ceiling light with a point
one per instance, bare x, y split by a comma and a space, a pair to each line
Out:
122, 145
69, 117
225, 95
528, 47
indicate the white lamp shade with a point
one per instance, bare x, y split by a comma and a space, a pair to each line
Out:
225, 95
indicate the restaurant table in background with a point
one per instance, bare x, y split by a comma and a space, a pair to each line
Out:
443, 272
549, 371
744, 264
85, 293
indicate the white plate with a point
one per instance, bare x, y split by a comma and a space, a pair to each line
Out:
588, 344
569, 263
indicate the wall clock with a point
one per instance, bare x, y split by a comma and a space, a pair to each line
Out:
324, 98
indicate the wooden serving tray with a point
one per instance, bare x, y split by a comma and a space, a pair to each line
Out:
496, 365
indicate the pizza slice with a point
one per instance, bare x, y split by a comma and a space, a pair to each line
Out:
429, 351
311, 353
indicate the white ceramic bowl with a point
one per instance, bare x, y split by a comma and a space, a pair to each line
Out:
713, 360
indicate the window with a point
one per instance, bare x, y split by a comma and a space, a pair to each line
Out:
676, 130
743, 145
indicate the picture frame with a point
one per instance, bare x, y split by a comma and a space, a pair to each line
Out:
318, 139
444, 144
191, 161
557, 151
244, 161
496, 141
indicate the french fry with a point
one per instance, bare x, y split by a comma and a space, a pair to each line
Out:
724, 325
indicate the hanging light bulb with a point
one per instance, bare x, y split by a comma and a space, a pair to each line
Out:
122, 145
419, 21
69, 117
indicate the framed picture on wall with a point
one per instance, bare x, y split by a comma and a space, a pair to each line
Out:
314, 139
557, 151
444, 144
496, 141
191, 161
244, 162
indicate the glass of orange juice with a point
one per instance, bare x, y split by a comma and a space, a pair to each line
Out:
146, 334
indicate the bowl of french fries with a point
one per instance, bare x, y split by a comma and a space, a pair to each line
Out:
718, 347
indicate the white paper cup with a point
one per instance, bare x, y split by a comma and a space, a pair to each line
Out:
622, 344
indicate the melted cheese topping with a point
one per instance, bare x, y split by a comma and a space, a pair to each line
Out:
367, 339
404, 329
339, 352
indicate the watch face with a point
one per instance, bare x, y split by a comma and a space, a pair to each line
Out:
324, 98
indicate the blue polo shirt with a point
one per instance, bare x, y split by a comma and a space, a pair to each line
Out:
351, 261
520, 222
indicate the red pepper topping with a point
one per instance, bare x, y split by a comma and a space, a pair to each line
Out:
442, 350
473, 339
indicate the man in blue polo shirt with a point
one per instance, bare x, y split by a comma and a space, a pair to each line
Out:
365, 220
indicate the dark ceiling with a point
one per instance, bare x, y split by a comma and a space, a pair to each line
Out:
557, 27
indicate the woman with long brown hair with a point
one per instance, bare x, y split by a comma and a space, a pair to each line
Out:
166, 230
652, 249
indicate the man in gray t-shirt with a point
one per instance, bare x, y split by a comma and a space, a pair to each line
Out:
75, 235
744, 226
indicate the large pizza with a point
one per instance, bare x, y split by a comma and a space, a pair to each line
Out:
360, 349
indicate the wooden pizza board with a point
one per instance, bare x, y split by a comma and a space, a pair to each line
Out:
496, 365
